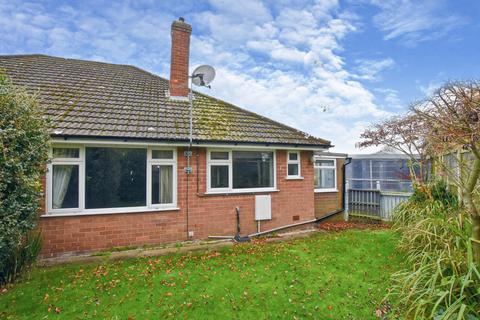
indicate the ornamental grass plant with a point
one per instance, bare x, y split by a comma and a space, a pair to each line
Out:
441, 280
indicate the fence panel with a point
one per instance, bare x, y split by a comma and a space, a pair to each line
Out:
374, 203
388, 202
365, 202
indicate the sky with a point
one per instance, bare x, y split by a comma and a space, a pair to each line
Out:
330, 68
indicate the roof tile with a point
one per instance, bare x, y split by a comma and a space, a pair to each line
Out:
87, 98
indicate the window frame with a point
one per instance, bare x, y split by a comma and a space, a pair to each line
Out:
80, 161
150, 163
219, 162
334, 167
229, 162
50, 212
297, 162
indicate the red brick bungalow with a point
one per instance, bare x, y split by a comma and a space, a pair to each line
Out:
119, 139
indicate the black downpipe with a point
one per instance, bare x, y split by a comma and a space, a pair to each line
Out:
238, 237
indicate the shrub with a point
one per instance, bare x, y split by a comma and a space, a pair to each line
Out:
21, 257
24, 143
442, 280
437, 190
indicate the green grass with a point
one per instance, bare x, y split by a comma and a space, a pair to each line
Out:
326, 276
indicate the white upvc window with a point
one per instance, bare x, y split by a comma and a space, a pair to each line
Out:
219, 170
65, 179
240, 170
325, 175
162, 178
293, 165
97, 179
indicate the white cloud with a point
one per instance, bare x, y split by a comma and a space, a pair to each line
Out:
370, 69
286, 64
414, 21
430, 87
277, 50
391, 98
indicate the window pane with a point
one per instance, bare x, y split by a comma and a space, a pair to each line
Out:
219, 176
325, 178
252, 169
66, 153
115, 177
325, 163
293, 169
215, 155
360, 169
65, 186
293, 156
162, 184
162, 154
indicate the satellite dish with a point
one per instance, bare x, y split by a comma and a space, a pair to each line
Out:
202, 76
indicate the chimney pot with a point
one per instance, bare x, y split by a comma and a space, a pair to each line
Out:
181, 32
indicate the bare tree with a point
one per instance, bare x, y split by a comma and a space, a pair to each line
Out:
450, 122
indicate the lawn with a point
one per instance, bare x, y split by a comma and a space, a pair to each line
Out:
335, 275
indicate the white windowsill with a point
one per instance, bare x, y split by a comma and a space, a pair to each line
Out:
325, 190
227, 192
106, 211
293, 178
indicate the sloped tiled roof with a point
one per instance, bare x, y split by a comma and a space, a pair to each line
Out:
94, 99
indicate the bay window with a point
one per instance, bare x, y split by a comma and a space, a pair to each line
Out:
240, 171
325, 175
109, 179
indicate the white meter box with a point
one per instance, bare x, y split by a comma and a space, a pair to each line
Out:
263, 207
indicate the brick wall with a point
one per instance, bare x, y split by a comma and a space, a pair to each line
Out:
178, 84
326, 202
208, 214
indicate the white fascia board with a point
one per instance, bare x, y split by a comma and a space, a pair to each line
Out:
231, 145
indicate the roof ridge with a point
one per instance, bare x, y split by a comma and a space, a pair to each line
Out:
76, 59
22, 55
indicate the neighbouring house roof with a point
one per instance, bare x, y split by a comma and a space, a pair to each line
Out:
103, 100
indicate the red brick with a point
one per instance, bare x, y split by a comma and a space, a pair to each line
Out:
209, 215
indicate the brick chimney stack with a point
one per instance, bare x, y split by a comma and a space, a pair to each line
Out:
181, 32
